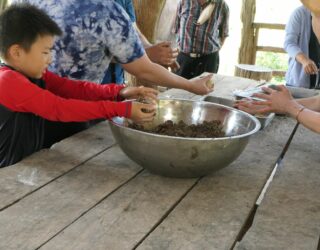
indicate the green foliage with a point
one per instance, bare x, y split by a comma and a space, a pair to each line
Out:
272, 60
275, 61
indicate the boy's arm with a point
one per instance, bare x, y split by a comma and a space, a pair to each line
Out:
83, 90
18, 94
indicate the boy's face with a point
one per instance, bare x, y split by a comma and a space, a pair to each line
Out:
34, 62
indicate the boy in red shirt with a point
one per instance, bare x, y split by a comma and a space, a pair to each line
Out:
30, 94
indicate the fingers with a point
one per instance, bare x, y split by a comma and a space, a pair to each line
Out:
282, 88
167, 55
174, 53
148, 93
175, 65
261, 103
142, 112
254, 107
310, 67
151, 98
313, 68
262, 96
146, 108
164, 44
199, 85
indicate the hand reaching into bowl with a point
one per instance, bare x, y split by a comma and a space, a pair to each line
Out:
139, 93
142, 112
143, 105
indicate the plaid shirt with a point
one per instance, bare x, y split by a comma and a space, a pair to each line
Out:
201, 39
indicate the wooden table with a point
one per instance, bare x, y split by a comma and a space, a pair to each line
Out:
84, 193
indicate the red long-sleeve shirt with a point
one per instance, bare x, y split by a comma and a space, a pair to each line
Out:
63, 99
26, 103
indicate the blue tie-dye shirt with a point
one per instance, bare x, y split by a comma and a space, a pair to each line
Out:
95, 31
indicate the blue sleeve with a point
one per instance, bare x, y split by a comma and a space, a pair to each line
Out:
130, 10
127, 5
121, 37
293, 33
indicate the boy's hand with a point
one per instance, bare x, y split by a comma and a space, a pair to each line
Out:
139, 92
141, 112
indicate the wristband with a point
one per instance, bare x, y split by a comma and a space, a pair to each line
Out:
298, 113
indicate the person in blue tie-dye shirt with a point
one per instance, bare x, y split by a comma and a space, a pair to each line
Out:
95, 31
160, 53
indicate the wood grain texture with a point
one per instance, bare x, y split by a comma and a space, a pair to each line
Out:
214, 212
253, 72
246, 53
123, 219
289, 216
44, 166
38, 217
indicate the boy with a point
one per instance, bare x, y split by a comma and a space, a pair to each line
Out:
30, 94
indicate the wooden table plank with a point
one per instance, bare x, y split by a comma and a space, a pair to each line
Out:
225, 85
44, 166
289, 216
39, 216
214, 212
128, 215
123, 219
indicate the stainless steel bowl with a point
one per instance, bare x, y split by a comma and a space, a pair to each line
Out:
187, 157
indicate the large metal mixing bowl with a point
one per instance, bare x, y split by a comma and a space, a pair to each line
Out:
187, 157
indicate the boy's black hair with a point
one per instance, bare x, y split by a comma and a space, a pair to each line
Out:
21, 24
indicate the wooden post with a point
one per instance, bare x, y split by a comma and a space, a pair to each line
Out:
253, 72
246, 52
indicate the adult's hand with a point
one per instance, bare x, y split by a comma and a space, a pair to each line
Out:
278, 101
150, 72
162, 53
201, 85
309, 66
250, 107
174, 66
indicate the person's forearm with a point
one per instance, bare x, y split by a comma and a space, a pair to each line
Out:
310, 119
312, 103
304, 115
301, 58
144, 69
